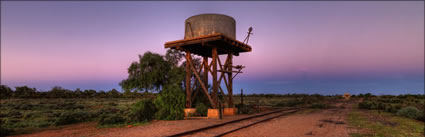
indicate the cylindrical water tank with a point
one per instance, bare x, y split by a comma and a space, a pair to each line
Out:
207, 24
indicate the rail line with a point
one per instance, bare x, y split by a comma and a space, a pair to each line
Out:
239, 123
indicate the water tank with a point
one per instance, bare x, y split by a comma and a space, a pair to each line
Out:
207, 24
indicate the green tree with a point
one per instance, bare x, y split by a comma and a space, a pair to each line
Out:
150, 73
90, 93
5, 91
101, 94
58, 92
24, 92
78, 93
170, 103
153, 71
173, 57
113, 93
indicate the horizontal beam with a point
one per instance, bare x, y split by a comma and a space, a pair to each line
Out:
225, 71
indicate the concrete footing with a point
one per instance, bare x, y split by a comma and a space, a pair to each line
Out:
213, 113
230, 111
189, 111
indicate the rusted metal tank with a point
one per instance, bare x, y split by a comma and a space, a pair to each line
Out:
207, 24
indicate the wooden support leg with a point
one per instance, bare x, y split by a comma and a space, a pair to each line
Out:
188, 79
230, 86
206, 69
214, 76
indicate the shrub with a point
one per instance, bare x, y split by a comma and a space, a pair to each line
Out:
25, 107
170, 103
28, 115
281, 104
380, 106
142, 110
390, 108
319, 106
410, 112
365, 105
291, 103
106, 119
15, 114
202, 109
112, 104
5, 131
246, 109
43, 124
72, 117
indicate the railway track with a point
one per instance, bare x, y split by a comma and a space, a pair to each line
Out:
225, 128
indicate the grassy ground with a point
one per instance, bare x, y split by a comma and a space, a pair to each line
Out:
263, 101
375, 123
30, 115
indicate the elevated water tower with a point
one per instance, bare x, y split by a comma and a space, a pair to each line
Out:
210, 35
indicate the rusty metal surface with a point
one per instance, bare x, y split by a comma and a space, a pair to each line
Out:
206, 24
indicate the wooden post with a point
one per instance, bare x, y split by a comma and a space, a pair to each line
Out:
188, 79
241, 97
230, 76
206, 69
214, 75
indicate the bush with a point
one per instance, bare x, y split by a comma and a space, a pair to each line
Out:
246, 109
202, 109
142, 111
106, 119
112, 104
410, 112
14, 114
25, 107
72, 117
170, 103
291, 103
365, 105
319, 106
390, 108
43, 124
3, 130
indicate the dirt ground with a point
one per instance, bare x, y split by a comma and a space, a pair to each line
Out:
317, 123
320, 123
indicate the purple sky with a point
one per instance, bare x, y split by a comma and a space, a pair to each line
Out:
298, 47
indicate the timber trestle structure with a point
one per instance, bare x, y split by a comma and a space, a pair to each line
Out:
210, 46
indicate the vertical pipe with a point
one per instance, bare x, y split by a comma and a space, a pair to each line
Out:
188, 79
214, 75
230, 87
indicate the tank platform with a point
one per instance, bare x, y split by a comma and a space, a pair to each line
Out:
203, 45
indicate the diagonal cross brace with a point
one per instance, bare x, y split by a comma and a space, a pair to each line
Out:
200, 82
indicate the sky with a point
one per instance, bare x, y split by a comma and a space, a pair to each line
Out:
298, 47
